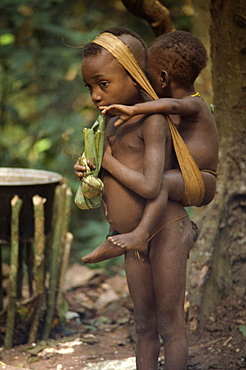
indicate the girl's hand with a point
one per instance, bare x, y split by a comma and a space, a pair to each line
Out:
80, 170
123, 111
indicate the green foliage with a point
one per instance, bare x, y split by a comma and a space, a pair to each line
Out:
242, 329
43, 103
180, 12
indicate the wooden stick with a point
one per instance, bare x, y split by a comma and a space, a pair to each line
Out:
20, 269
57, 230
1, 276
67, 210
16, 204
39, 243
29, 259
67, 241
64, 264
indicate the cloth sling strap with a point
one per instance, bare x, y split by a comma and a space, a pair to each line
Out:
194, 187
215, 173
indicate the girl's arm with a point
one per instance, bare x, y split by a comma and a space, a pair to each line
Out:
148, 182
183, 107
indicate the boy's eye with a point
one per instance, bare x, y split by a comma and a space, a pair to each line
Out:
88, 86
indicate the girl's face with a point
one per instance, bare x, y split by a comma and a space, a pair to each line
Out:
107, 81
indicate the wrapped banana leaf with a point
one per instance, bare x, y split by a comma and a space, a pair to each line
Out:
89, 193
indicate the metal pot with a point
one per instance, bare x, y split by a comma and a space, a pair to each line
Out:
25, 183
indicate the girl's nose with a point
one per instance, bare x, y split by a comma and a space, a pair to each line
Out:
96, 96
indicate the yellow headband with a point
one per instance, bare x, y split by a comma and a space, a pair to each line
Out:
122, 53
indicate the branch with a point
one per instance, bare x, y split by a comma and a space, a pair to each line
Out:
153, 11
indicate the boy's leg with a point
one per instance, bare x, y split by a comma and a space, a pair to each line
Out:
210, 187
173, 188
139, 278
168, 255
104, 251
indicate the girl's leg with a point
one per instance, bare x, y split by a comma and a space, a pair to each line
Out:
168, 255
139, 278
172, 187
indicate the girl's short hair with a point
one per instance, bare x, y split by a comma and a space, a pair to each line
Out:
140, 52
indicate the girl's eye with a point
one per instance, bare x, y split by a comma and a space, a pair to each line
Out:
104, 84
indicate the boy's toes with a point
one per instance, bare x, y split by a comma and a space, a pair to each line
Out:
123, 246
111, 240
117, 243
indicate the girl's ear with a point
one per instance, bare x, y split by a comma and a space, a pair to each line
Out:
164, 78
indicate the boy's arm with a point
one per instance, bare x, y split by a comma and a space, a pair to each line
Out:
183, 107
123, 111
148, 182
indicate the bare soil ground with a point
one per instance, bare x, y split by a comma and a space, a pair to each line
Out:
103, 330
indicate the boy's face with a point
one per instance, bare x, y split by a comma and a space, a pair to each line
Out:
153, 75
107, 81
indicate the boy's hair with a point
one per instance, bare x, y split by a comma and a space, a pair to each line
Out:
140, 48
181, 54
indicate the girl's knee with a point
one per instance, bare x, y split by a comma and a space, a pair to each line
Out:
142, 327
144, 324
171, 326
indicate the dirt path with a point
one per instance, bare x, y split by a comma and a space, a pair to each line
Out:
111, 342
101, 332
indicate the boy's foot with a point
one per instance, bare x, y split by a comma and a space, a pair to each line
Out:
105, 251
130, 241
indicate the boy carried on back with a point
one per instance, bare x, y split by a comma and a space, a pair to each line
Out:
174, 62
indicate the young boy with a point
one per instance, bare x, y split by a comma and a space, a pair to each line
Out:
143, 147
174, 62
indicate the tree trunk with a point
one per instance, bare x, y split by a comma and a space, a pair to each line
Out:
203, 83
153, 11
217, 262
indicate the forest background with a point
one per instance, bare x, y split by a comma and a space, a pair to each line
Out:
44, 107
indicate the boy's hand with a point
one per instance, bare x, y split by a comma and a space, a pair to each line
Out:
123, 111
80, 170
